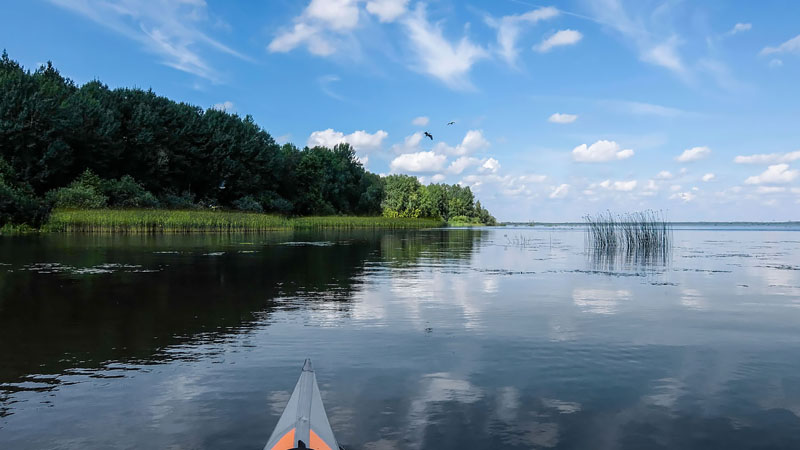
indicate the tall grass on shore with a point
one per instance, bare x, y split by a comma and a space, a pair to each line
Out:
642, 236
185, 221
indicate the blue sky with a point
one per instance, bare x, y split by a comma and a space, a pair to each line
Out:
560, 109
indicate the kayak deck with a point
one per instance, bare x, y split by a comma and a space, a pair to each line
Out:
303, 423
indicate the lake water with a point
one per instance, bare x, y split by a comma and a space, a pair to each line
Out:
510, 338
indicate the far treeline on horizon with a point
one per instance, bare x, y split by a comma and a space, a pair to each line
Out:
64, 146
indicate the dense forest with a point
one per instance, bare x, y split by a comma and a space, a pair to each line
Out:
69, 146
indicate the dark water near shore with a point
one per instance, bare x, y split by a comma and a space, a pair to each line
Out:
437, 339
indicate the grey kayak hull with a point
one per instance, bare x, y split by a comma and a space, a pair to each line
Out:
303, 422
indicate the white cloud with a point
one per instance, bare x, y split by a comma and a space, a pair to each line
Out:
562, 118
387, 10
708, 177
655, 44
337, 14
693, 154
775, 63
768, 158
560, 38
739, 28
685, 196
664, 175
770, 190
462, 163
472, 142
560, 191
364, 160
665, 55
418, 162
622, 186
314, 27
226, 106
775, 174
420, 121
490, 165
600, 151
360, 140
438, 178
325, 82
506, 185
170, 29
302, 33
509, 29
410, 144
790, 46
642, 108
441, 59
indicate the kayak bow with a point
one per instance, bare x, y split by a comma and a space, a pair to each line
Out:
303, 423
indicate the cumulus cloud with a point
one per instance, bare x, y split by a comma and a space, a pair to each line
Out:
439, 58
562, 118
506, 185
775, 174
419, 162
685, 196
472, 142
509, 29
462, 163
693, 154
490, 165
226, 106
360, 140
770, 190
768, 158
664, 175
560, 38
387, 10
410, 144
708, 177
622, 186
420, 121
600, 151
790, 46
559, 191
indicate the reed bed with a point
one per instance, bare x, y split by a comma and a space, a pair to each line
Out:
186, 221
645, 233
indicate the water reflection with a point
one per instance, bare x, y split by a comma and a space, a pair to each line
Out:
429, 339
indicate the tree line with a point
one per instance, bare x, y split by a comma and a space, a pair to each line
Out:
64, 145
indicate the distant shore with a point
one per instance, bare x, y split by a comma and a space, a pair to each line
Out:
184, 221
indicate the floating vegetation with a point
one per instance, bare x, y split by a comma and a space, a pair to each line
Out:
639, 238
520, 240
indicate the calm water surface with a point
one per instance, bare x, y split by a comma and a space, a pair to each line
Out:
437, 339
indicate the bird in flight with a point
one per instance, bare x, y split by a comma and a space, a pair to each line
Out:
452, 122
428, 135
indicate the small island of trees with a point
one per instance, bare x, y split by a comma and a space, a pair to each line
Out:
68, 147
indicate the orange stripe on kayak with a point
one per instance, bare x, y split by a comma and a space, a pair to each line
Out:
286, 442
317, 443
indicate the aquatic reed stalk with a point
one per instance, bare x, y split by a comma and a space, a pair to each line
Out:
184, 221
644, 232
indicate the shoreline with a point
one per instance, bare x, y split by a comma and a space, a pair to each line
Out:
203, 221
